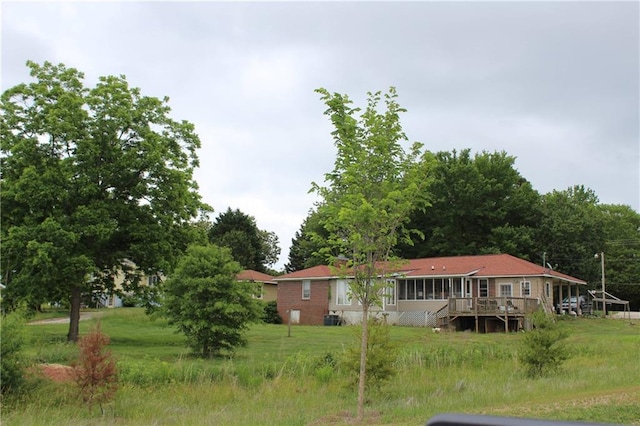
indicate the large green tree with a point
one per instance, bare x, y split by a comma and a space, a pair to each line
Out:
479, 204
367, 197
207, 304
307, 245
570, 231
622, 252
252, 247
93, 179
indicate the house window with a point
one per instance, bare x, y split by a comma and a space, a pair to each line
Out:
259, 290
548, 289
390, 293
342, 293
306, 289
505, 290
152, 280
526, 288
483, 288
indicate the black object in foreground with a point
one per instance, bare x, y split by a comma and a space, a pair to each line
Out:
478, 420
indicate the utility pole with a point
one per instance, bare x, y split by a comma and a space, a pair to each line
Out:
604, 303
604, 298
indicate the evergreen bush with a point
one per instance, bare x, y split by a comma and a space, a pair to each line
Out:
544, 349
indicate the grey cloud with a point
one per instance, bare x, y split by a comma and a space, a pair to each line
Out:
553, 83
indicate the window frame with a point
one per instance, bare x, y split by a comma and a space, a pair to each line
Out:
502, 286
390, 292
525, 288
483, 287
348, 301
306, 288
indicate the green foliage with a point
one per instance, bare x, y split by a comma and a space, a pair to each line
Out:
251, 247
153, 372
270, 314
95, 372
308, 244
91, 177
372, 189
11, 360
382, 353
207, 304
622, 253
570, 231
161, 384
479, 204
544, 349
453, 355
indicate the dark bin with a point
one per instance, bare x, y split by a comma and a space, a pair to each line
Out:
331, 320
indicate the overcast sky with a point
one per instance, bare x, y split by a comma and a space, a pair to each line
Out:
554, 84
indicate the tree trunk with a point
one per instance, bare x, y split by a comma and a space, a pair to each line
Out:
74, 315
363, 361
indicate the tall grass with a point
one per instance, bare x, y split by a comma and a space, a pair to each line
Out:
297, 380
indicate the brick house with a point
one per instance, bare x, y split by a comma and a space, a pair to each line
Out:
486, 293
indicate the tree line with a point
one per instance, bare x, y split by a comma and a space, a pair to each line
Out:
480, 204
98, 181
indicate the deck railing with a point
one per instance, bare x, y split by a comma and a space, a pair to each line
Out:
492, 305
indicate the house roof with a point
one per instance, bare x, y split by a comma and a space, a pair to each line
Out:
489, 266
320, 271
251, 275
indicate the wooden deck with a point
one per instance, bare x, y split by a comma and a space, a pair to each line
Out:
510, 311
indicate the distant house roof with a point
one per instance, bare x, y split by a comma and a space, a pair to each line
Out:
320, 271
488, 265
251, 275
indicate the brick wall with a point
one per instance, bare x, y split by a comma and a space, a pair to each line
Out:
313, 310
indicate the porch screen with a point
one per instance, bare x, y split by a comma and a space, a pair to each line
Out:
424, 289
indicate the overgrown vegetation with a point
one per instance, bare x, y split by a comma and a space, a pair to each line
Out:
11, 360
301, 379
544, 349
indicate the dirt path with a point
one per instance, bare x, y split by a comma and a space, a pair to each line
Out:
83, 317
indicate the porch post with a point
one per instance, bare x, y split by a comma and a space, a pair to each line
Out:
560, 297
569, 285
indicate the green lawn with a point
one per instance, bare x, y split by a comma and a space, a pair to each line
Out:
281, 380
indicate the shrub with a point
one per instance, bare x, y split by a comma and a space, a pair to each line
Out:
207, 304
12, 370
270, 315
543, 350
95, 371
381, 356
